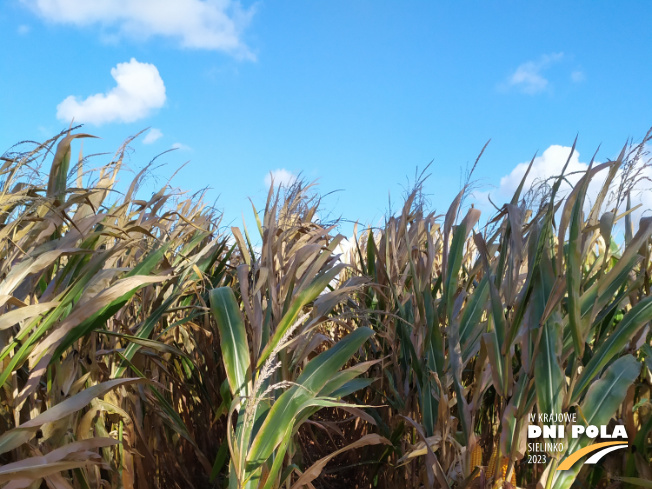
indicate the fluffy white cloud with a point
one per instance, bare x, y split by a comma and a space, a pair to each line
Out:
200, 24
139, 90
152, 135
550, 164
528, 77
281, 177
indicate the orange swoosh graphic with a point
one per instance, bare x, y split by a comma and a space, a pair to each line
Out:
571, 459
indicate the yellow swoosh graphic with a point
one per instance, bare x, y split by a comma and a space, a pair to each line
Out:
571, 459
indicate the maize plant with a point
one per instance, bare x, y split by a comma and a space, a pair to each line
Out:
278, 369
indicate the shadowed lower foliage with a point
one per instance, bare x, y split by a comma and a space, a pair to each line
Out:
142, 346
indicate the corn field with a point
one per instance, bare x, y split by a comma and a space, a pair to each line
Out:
143, 345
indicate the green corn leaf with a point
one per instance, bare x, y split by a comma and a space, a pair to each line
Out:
350, 387
455, 258
635, 319
635, 481
319, 371
455, 354
434, 347
343, 377
470, 325
574, 268
233, 339
494, 341
548, 374
144, 331
278, 462
305, 296
601, 402
495, 362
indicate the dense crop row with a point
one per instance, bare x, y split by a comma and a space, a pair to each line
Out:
143, 346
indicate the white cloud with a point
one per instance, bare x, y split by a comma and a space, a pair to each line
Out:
528, 77
281, 177
578, 76
199, 24
139, 90
181, 146
550, 165
153, 135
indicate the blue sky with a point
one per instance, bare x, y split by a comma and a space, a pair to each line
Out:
354, 94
